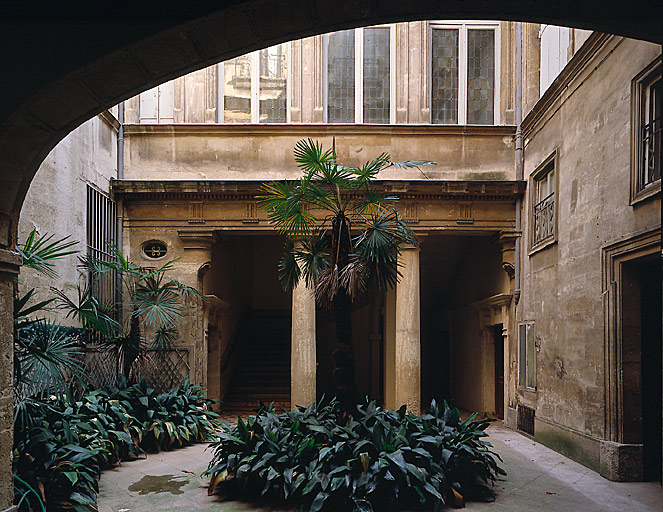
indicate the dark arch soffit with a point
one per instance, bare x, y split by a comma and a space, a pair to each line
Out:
64, 62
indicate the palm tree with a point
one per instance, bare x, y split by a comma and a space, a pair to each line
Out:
155, 303
343, 237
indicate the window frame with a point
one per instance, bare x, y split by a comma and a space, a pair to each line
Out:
255, 87
359, 74
643, 80
529, 335
463, 26
550, 164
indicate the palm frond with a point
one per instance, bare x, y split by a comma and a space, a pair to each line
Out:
22, 311
157, 303
354, 278
364, 175
412, 164
313, 258
289, 271
39, 252
327, 286
285, 204
88, 310
378, 247
48, 358
310, 156
163, 340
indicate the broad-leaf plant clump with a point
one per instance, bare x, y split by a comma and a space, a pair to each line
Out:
61, 443
319, 458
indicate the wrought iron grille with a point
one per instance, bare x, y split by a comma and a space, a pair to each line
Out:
526, 419
651, 137
101, 234
544, 219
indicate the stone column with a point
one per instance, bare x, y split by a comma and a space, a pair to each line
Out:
302, 352
408, 343
190, 268
9, 267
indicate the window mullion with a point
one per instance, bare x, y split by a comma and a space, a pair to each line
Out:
392, 74
462, 75
255, 78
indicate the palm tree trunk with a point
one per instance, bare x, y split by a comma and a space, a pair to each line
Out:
132, 347
344, 359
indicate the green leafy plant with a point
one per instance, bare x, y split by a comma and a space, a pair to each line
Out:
60, 446
318, 458
155, 303
343, 237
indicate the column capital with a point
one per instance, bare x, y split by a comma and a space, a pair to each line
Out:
197, 239
10, 262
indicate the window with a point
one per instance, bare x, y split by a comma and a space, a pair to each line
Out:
254, 87
156, 105
101, 227
544, 217
526, 356
554, 53
464, 78
358, 67
646, 128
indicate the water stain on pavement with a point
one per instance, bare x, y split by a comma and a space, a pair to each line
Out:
158, 484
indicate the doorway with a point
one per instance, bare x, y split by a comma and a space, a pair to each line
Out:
641, 360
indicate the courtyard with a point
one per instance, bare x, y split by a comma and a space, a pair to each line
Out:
538, 480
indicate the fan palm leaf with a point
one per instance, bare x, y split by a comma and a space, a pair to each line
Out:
39, 252
48, 355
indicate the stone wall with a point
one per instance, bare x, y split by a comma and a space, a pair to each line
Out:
585, 121
56, 201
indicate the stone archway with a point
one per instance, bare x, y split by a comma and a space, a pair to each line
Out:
68, 62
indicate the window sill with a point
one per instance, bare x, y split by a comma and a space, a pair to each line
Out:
646, 193
544, 244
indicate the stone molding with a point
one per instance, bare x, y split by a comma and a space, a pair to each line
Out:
612, 257
195, 239
317, 129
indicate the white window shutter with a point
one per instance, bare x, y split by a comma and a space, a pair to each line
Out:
166, 102
149, 105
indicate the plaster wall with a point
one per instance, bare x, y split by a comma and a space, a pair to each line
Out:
224, 152
588, 126
56, 201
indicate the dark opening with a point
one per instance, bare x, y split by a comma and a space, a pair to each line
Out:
642, 359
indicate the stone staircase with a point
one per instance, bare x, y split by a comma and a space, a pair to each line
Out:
262, 372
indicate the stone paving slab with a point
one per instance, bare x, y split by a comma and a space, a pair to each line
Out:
538, 480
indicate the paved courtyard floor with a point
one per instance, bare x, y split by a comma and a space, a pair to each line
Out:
538, 479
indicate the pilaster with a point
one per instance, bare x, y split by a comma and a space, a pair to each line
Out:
9, 269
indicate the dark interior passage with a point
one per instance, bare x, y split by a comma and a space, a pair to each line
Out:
248, 323
457, 358
642, 360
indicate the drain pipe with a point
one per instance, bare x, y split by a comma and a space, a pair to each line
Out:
120, 175
519, 151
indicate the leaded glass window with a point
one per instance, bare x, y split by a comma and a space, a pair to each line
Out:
480, 76
341, 77
376, 75
464, 85
444, 108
